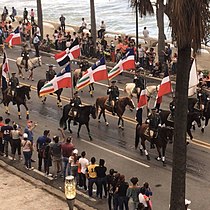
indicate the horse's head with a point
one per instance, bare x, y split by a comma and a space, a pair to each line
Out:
196, 116
93, 111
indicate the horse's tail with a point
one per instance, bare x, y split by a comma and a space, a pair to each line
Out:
97, 106
137, 136
64, 117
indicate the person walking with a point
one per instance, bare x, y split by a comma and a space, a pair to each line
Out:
41, 146
16, 141
25, 15
145, 34
1, 137
27, 151
13, 14
101, 178
102, 30
47, 158
133, 193
62, 21
83, 164
36, 43
32, 14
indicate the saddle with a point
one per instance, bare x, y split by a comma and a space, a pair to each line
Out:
170, 118
108, 103
148, 132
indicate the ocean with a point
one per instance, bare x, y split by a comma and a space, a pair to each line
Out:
117, 15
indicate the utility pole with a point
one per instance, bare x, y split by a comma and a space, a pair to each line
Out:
39, 16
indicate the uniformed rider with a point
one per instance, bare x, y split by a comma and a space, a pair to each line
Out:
25, 56
203, 97
13, 85
75, 102
50, 73
113, 93
139, 82
154, 124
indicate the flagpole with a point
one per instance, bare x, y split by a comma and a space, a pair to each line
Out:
72, 82
172, 92
145, 83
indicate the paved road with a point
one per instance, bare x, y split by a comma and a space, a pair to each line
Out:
116, 146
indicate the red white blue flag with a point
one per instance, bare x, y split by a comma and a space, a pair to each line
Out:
14, 38
74, 49
62, 58
128, 61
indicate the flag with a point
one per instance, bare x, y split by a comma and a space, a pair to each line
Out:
96, 72
165, 87
62, 58
142, 99
61, 80
193, 80
116, 70
128, 61
14, 38
74, 50
5, 71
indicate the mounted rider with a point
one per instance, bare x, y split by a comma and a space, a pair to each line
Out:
113, 92
50, 73
25, 56
203, 98
172, 108
13, 85
75, 103
139, 82
154, 122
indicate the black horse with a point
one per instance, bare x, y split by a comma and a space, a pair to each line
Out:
206, 114
191, 117
20, 98
58, 92
83, 117
165, 134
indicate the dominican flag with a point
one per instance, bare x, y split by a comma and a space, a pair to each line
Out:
165, 87
61, 80
14, 38
5, 71
142, 99
116, 70
95, 73
62, 58
128, 61
74, 50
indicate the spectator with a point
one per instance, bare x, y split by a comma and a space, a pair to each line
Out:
40, 146
56, 156
101, 178
62, 21
83, 26
133, 193
27, 151
32, 14
16, 141
74, 162
121, 190
102, 30
145, 34
6, 131
1, 137
83, 164
141, 55
47, 158
25, 15
4, 14
14, 13
55, 35
92, 176
36, 43
144, 199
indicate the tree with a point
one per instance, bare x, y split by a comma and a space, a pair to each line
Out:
93, 22
39, 16
188, 20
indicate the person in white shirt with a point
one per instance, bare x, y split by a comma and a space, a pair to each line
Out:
146, 34
102, 29
36, 43
83, 163
83, 26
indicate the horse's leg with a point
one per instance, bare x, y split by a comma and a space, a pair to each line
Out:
104, 115
44, 99
91, 89
189, 133
27, 112
163, 153
20, 72
19, 115
141, 150
59, 103
120, 119
205, 124
7, 108
69, 125
88, 129
159, 153
79, 128
31, 75
99, 116
145, 150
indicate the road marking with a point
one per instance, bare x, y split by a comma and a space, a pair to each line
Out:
115, 153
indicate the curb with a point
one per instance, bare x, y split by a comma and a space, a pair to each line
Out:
41, 185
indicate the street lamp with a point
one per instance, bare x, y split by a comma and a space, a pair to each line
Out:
70, 191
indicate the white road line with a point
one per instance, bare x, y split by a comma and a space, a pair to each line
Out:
115, 153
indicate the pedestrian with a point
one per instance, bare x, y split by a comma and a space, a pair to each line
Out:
41, 146
101, 178
13, 14
56, 156
47, 158
36, 43
4, 14
133, 193
66, 148
121, 190
27, 151
101, 30
62, 21
83, 164
16, 134
1, 137
83, 26
25, 15
74, 162
145, 34
92, 176
6, 130
32, 14
144, 199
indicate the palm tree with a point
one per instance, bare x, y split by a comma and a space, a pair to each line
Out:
40, 17
188, 20
93, 22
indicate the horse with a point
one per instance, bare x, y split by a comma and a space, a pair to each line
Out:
77, 75
20, 97
191, 117
58, 92
83, 117
150, 90
119, 108
206, 115
165, 134
32, 64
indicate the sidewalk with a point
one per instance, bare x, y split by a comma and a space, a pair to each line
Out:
30, 193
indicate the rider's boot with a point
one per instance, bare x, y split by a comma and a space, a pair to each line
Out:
14, 101
152, 145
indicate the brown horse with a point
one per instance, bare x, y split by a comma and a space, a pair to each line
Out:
119, 109
164, 135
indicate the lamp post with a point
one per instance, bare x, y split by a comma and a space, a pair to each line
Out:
70, 191
137, 32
